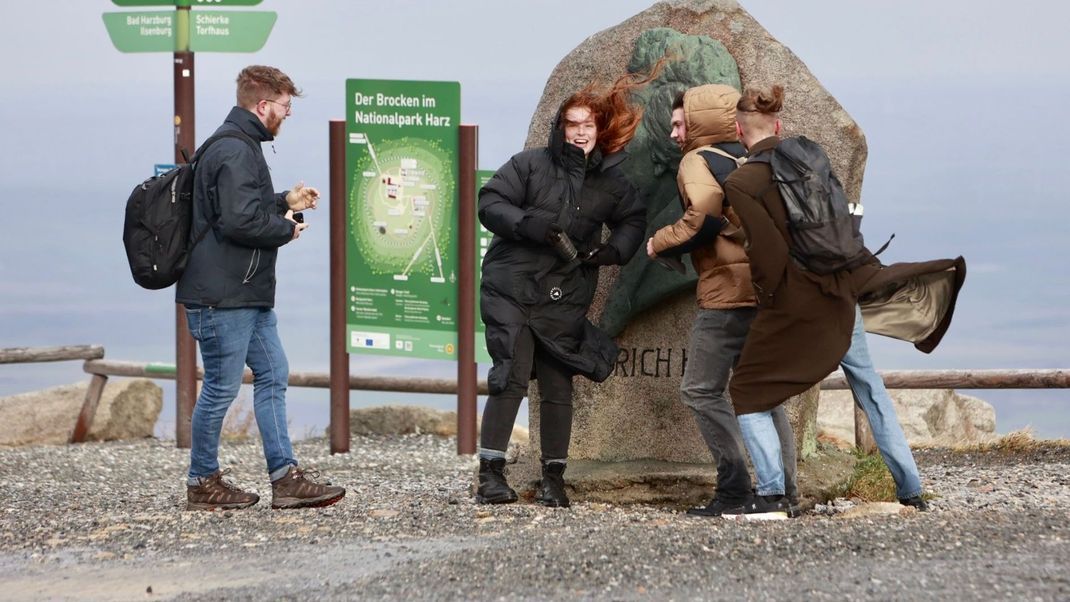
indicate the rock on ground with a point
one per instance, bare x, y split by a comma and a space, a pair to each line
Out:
414, 420
128, 409
936, 417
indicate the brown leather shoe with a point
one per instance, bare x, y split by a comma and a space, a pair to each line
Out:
298, 490
217, 493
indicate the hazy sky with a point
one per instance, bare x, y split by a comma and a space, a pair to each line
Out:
962, 104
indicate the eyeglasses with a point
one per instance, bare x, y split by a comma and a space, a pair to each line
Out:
289, 106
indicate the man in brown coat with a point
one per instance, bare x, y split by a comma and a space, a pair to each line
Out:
803, 327
805, 320
703, 125
808, 322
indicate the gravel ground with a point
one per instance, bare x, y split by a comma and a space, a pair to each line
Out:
105, 521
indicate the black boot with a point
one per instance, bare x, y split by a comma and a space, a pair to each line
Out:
552, 489
493, 489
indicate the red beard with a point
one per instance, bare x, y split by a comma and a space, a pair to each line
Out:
274, 123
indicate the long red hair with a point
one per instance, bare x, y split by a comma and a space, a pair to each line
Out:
615, 115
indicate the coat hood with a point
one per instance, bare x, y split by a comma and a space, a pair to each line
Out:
710, 115
568, 155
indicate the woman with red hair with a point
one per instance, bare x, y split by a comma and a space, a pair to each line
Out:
546, 207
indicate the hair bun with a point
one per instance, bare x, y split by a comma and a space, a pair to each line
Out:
762, 100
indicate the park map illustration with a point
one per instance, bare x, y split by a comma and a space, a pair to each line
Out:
400, 209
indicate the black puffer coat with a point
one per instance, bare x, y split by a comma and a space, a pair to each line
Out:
525, 284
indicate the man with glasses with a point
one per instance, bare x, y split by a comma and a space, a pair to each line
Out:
228, 289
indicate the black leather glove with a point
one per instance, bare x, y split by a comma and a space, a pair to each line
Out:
602, 255
537, 229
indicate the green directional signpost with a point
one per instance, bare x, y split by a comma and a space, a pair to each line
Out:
149, 3
186, 3
143, 31
229, 31
183, 31
186, 30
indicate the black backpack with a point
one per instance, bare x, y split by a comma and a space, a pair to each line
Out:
159, 218
823, 227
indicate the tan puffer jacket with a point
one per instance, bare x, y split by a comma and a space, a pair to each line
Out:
723, 272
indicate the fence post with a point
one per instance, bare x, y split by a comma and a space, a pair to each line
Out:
89, 408
864, 440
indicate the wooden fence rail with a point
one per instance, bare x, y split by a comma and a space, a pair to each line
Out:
100, 369
963, 379
321, 380
20, 355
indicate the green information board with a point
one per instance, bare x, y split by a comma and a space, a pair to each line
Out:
483, 238
401, 216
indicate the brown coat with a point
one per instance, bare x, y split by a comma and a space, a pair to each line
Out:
723, 273
804, 323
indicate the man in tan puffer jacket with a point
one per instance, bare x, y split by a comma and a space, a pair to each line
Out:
703, 125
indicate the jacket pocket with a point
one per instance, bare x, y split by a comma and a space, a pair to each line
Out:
200, 324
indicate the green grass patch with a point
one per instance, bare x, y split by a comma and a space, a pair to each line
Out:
870, 481
1018, 442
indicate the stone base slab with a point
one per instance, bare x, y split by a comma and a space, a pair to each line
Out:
674, 484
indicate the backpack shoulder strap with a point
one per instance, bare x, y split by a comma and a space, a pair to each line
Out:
224, 134
739, 161
723, 159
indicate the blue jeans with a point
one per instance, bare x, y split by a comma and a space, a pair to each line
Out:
872, 397
230, 339
763, 443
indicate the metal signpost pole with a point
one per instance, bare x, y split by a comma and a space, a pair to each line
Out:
185, 141
466, 291
339, 428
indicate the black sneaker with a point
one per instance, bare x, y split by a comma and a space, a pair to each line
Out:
716, 508
794, 508
916, 502
766, 507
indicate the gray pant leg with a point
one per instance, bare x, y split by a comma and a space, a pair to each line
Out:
717, 338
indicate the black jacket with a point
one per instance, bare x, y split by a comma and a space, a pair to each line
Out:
234, 264
525, 283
